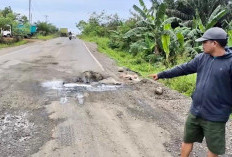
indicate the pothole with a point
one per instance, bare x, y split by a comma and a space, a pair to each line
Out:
88, 82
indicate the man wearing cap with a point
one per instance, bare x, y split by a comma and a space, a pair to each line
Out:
212, 99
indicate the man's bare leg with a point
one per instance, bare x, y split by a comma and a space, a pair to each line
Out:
186, 149
210, 154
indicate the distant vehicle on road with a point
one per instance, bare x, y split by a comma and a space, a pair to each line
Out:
6, 32
74, 36
63, 32
33, 30
71, 36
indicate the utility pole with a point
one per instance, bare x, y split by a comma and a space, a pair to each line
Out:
29, 11
46, 18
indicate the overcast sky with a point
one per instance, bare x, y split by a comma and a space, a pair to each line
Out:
65, 13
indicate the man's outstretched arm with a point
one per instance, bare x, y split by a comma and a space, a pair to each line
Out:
180, 70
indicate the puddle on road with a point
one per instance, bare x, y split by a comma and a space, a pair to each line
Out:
77, 90
63, 100
93, 88
80, 98
53, 84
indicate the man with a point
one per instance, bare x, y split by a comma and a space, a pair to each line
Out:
212, 99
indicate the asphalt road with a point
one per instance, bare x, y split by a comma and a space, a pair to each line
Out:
73, 53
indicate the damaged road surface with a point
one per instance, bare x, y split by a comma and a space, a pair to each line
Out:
63, 98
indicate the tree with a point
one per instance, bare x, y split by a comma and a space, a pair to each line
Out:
6, 11
81, 25
6, 17
187, 10
4, 22
45, 28
99, 24
23, 19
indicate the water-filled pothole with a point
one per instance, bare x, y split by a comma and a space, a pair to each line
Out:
77, 90
78, 87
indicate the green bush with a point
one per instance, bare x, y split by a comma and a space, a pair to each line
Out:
184, 84
43, 37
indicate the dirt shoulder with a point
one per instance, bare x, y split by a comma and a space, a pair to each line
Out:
168, 110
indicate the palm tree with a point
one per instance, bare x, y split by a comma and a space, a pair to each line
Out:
187, 9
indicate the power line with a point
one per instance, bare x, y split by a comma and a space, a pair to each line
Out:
46, 18
36, 7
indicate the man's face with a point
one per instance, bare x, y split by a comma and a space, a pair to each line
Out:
209, 46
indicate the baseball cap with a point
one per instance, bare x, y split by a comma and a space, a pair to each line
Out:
214, 33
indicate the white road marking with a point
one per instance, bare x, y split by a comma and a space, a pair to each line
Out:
94, 58
58, 52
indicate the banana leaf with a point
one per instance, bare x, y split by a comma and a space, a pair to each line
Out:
160, 15
230, 38
215, 17
138, 31
140, 11
166, 41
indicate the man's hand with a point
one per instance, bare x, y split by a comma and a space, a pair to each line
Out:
154, 76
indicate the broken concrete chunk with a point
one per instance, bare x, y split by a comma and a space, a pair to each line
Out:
77, 79
120, 69
110, 80
145, 81
91, 76
159, 91
130, 77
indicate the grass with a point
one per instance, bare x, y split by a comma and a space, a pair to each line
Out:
13, 44
42, 37
183, 84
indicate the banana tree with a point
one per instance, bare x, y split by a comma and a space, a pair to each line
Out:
154, 31
216, 15
186, 9
214, 18
151, 26
166, 41
230, 38
145, 13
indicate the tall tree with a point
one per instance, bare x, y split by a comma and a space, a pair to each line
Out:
6, 11
187, 9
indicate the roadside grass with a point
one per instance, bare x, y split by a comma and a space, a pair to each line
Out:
183, 84
13, 44
42, 37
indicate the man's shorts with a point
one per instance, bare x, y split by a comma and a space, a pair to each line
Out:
214, 132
